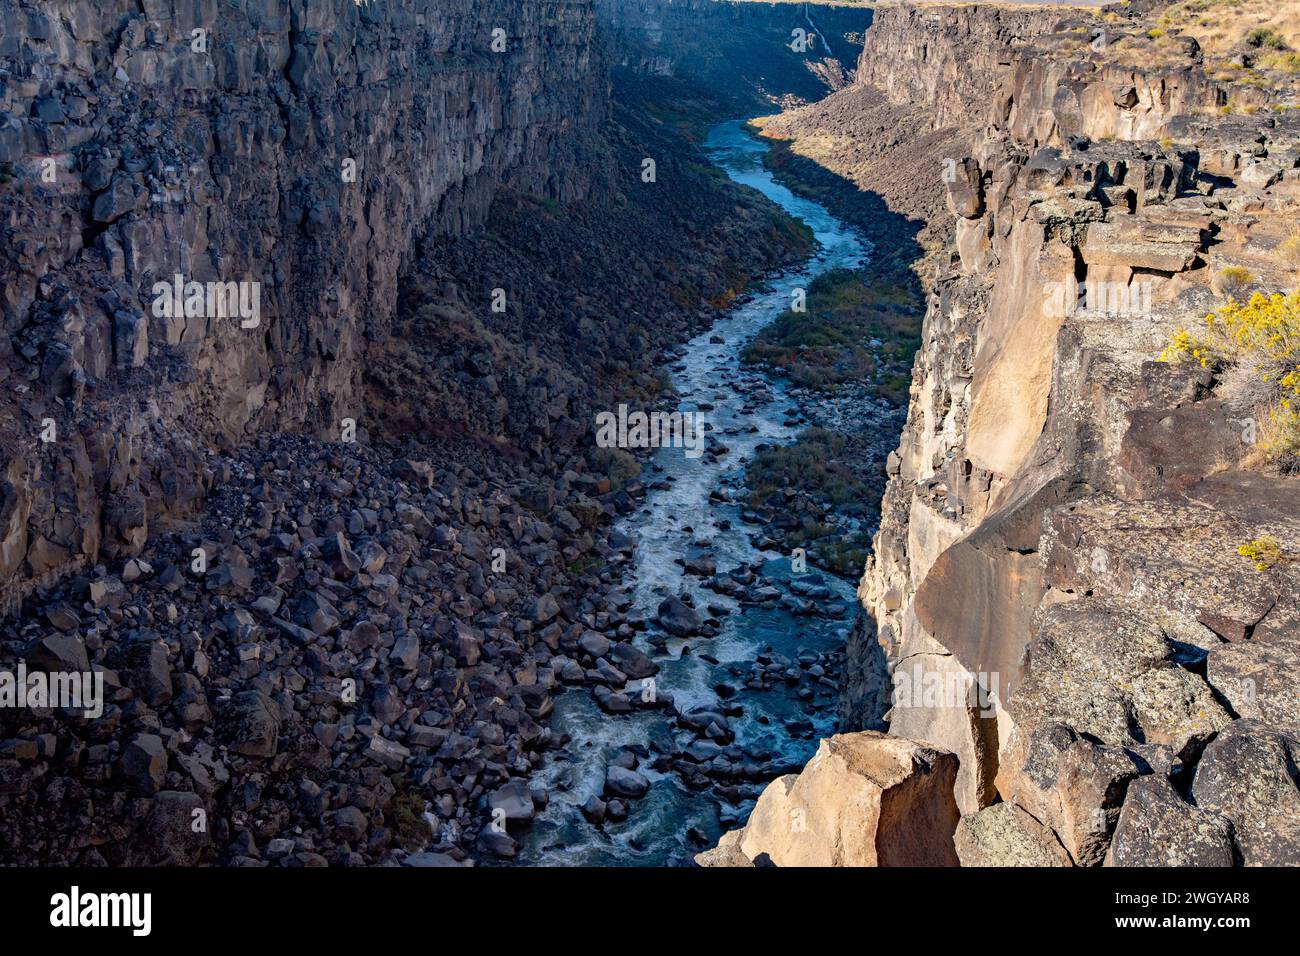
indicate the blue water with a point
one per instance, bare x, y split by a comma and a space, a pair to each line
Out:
705, 374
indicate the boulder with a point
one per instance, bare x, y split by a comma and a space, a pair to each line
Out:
175, 831
1005, 835
545, 608
1247, 774
497, 843
1101, 668
253, 724
143, 666
58, 653
144, 763
622, 782
1092, 782
1157, 827
726, 853
675, 617
116, 201
597, 645
387, 752
865, 799
633, 662
1258, 678
513, 801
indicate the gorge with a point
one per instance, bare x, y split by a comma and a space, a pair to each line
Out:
366, 587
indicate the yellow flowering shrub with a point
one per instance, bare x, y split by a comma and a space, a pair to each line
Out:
1265, 552
1262, 338
1266, 325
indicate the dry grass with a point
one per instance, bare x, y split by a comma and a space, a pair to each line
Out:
1219, 25
1288, 250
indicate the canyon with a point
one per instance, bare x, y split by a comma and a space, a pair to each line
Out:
365, 587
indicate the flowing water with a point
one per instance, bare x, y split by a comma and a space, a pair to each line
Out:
744, 409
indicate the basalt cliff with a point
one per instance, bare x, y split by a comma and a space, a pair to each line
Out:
1089, 667
333, 547
328, 557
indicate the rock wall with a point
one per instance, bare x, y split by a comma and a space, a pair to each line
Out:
341, 652
1055, 581
744, 53
287, 144
946, 60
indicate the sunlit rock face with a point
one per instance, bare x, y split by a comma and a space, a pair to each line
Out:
865, 799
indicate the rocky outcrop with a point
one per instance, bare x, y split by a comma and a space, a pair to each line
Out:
948, 60
1056, 581
865, 799
1058, 548
1044, 74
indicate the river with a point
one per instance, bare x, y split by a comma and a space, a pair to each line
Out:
679, 521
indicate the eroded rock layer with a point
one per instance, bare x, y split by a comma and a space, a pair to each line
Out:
1057, 582
1061, 527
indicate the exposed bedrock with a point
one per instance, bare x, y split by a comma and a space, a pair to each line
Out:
1062, 524
1056, 581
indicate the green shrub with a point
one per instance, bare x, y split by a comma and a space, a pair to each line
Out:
1265, 38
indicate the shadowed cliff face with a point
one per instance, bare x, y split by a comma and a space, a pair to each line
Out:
302, 147
747, 55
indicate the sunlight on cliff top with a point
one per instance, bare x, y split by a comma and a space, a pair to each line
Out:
1220, 25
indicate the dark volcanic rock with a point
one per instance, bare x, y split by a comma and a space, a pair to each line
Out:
677, 618
1157, 827
622, 782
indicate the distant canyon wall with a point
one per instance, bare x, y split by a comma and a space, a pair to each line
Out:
745, 53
